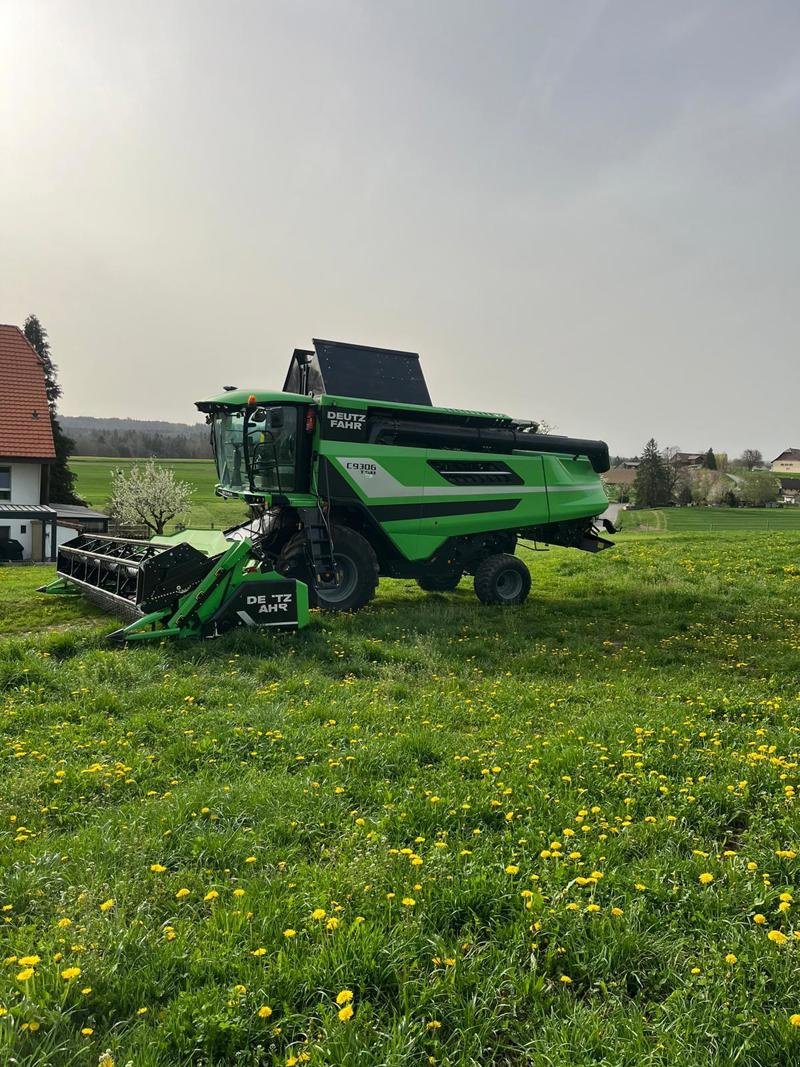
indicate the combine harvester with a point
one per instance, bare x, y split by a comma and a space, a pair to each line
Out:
350, 474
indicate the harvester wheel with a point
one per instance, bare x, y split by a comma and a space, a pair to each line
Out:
440, 583
356, 565
502, 579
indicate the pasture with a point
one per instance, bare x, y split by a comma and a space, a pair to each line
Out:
207, 511
429, 833
712, 520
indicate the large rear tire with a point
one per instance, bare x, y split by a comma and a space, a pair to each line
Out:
440, 583
356, 568
502, 579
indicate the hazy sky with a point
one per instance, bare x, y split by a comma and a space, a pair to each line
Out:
583, 211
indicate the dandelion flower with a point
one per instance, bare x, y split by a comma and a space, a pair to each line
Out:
87, 1031
250, 859
332, 924
25, 974
259, 951
434, 1024
107, 905
777, 937
290, 933
318, 913
408, 902
346, 1013
212, 894
182, 893
730, 959
344, 997
29, 961
706, 878
70, 972
64, 923
795, 1019
512, 868
565, 979
157, 868
238, 892
759, 919
264, 1011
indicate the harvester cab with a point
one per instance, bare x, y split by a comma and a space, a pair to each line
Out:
351, 475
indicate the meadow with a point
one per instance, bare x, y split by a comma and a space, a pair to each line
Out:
93, 485
428, 833
711, 520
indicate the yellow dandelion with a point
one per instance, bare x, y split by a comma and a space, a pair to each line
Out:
759, 919
157, 868
290, 933
264, 1011
87, 1031
238, 892
512, 868
70, 972
107, 905
434, 1024
318, 913
64, 923
344, 997
346, 1013
259, 951
212, 894
777, 937
408, 902
29, 961
565, 979
706, 878
730, 959
332, 923
25, 974
795, 1019
182, 893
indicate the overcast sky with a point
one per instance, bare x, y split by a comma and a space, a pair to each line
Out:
582, 211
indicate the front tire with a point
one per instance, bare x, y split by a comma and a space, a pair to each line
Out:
502, 579
356, 567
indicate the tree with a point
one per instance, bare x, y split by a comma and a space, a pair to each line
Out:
710, 461
148, 495
62, 480
758, 488
751, 457
653, 478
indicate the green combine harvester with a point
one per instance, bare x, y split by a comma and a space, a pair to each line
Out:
350, 475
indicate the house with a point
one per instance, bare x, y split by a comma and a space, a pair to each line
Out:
688, 459
787, 462
26, 453
26, 446
789, 491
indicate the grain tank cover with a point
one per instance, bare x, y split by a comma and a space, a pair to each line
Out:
342, 369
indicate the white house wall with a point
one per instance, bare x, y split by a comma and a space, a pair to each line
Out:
26, 482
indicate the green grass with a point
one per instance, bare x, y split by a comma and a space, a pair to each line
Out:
547, 784
697, 520
207, 511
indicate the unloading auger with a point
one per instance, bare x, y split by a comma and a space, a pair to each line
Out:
350, 474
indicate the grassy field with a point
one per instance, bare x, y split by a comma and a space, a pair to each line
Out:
429, 833
696, 520
208, 511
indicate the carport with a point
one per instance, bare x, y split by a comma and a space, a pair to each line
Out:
34, 513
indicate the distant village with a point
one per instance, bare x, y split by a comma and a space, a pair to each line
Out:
706, 479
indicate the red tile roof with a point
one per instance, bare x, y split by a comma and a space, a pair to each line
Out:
25, 429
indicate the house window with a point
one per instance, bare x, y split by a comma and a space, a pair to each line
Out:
5, 533
5, 483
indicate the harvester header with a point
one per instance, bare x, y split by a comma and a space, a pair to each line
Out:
351, 475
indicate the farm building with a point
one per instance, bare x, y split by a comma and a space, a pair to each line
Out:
787, 462
26, 451
790, 490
